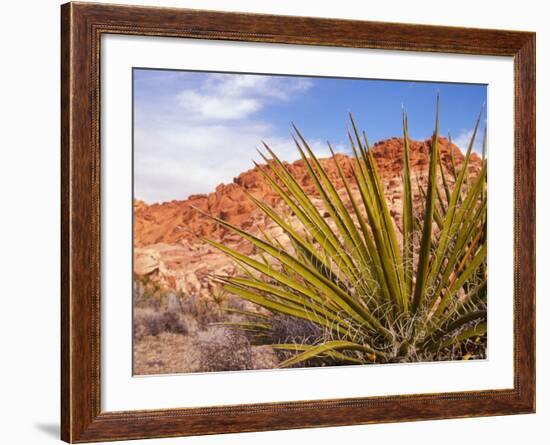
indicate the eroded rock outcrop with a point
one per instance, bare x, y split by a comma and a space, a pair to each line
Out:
167, 236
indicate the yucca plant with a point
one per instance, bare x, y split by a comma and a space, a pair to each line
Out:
377, 293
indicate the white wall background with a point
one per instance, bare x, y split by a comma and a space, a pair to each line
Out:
29, 219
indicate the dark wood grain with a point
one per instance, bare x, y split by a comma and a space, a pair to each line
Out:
524, 224
82, 27
65, 227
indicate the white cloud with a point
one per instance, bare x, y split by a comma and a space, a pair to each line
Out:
210, 135
231, 97
201, 157
210, 106
239, 85
462, 141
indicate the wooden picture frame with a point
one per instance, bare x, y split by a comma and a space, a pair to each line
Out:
82, 26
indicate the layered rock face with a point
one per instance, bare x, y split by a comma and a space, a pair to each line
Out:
168, 245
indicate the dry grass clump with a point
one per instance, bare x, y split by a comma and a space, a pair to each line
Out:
224, 350
202, 311
148, 322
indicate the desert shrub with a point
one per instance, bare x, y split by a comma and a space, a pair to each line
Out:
154, 323
203, 310
190, 305
148, 293
224, 350
376, 294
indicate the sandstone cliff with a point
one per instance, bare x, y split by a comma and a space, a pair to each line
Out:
167, 236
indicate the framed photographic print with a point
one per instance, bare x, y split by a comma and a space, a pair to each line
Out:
274, 222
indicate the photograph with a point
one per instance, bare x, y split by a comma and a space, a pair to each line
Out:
242, 222
284, 221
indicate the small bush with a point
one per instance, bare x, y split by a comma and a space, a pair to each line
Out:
223, 350
203, 311
155, 323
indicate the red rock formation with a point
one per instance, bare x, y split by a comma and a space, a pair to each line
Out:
170, 232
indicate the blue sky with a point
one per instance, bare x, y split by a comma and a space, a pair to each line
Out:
194, 130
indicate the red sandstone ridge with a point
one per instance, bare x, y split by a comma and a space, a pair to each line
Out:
176, 221
166, 236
